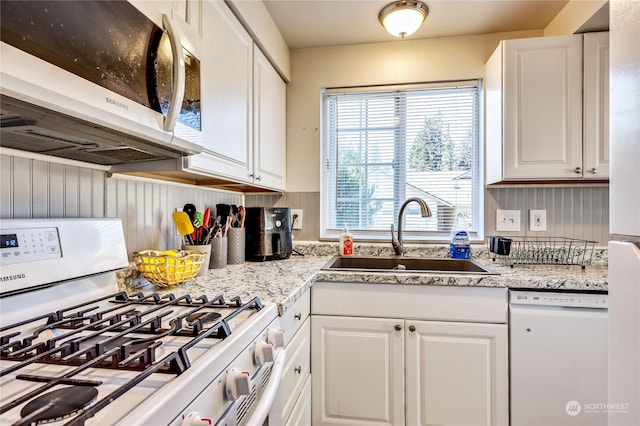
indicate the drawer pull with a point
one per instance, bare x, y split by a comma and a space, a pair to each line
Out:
412, 328
298, 369
298, 316
398, 327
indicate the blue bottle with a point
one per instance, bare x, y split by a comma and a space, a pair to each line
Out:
459, 248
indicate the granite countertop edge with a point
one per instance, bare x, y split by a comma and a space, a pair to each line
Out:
284, 282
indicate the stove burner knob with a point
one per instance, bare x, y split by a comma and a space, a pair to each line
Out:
238, 384
264, 352
195, 419
276, 338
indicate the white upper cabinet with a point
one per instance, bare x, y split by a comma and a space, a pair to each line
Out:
535, 105
269, 107
596, 105
227, 96
188, 12
243, 106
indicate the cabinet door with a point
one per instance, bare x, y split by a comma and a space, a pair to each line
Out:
227, 93
596, 105
301, 414
542, 111
296, 371
358, 371
270, 99
456, 373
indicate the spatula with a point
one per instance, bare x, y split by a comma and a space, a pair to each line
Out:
183, 225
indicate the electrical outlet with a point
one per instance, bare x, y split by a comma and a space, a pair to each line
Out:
537, 220
507, 220
296, 218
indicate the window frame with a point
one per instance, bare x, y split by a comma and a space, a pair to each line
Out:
332, 234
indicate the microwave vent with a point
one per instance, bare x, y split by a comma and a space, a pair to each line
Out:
36, 129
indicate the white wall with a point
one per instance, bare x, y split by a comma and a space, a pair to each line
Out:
405, 61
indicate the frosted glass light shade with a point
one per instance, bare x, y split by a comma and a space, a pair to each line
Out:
403, 18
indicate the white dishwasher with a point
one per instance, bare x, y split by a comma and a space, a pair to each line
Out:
558, 358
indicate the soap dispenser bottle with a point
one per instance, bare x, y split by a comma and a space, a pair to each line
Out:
346, 242
460, 248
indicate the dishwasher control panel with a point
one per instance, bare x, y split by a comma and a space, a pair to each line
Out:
570, 300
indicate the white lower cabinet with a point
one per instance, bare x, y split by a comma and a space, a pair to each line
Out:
408, 370
292, 404
358, 371
301, 414
456, 373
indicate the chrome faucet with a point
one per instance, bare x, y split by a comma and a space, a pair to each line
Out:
398, 245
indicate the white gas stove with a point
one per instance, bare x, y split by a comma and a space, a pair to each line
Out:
75, 350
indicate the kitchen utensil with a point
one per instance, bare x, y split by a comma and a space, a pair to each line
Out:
242, 212
190, 210
198, 220
183, 225
206, 217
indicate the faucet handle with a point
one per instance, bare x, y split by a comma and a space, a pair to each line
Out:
394, 243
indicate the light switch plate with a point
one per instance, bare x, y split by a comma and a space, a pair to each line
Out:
537, 220
507, 220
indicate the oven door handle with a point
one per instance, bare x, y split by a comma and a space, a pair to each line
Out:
268, 395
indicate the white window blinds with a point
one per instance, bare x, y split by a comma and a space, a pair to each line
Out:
382, 146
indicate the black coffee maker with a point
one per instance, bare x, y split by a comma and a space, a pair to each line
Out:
268, 233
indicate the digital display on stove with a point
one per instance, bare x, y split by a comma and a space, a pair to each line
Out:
8, 241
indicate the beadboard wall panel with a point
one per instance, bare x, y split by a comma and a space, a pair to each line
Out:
145, 207
35, 188
309, 202
574, 212
31, 188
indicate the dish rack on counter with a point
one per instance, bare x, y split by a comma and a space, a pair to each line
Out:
526, 250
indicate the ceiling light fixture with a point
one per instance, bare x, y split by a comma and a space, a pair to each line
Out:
403, 18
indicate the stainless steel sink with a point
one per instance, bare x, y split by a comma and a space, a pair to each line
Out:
406, 264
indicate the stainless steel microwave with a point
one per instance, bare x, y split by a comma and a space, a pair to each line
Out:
129, 81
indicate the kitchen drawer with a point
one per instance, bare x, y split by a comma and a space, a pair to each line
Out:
301, 414
294, 317
295, 374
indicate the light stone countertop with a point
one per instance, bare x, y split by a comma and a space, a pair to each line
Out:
284, 281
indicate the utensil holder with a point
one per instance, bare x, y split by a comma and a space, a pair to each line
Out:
218, 253
205, 248
236, 246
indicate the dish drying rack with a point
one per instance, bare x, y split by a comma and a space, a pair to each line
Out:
542, 250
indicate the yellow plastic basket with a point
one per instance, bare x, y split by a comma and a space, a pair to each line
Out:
167, 270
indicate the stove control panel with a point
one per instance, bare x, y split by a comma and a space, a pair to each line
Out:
29, 245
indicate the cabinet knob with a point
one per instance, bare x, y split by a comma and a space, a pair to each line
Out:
593, 171
412, 328
578, 170
297, 369
398, 327
258, 177
298, 316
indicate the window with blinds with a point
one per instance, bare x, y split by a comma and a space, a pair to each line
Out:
384, 145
